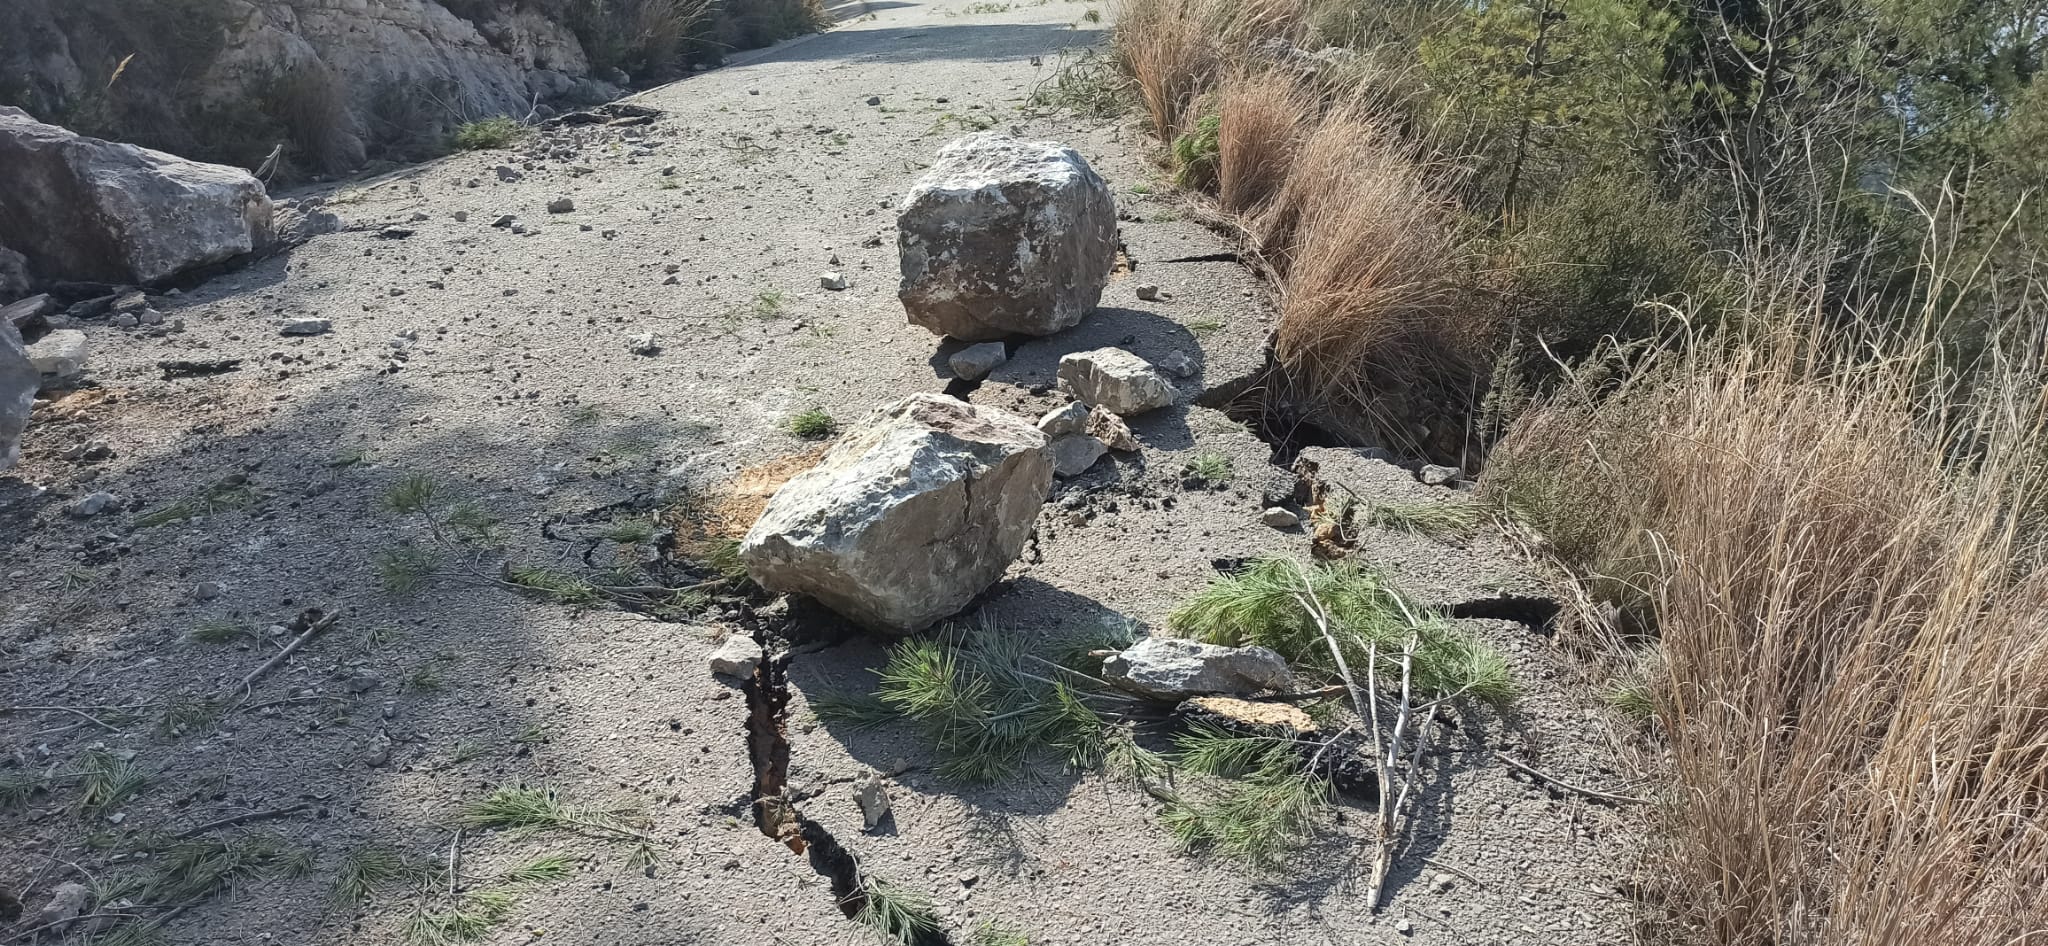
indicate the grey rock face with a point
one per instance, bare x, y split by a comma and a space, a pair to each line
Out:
1171, 668
85, 209
918, 508
1115, 379
1003, 237
13, 275
18, 383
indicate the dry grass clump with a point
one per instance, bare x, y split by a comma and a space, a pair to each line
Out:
1850, 598
1261, 119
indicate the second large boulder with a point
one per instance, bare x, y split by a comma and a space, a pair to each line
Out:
1005, 237
918, 508
84, 209
18, 383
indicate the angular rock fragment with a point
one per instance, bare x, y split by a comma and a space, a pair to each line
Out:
974, 362
1116, 380
919, 507
1004, 237
737, 657
84, 209
18, 383
1171, 668
1060, 421
59, 356
1111, 430
1073, 454
871, 793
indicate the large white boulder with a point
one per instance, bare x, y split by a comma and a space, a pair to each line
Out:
84, 209
918, 508
1005, 237
18, 383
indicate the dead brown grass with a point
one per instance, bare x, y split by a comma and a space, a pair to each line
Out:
1263, 117
1376, 314
1175, 50
1854, 625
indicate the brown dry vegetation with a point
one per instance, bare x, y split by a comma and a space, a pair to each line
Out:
1824, 542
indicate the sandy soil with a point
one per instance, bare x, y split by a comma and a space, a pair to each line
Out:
495, 359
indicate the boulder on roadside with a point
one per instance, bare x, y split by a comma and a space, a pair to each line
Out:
1004, 237
1116, 380
18, 383
85, 209
1172, 668
919, 507
59, 356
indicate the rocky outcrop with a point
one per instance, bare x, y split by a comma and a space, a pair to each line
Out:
84, 209
1171, 668
18, 383
918, 508
1005, 237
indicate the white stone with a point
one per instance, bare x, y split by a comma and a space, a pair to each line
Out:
974, 362
833, 280
916, 509
871, 793
1280, 517
60, 355
1073, 454
1439, 475
1004, 237
737, 657
90, 505
1171, 668
1069, 419
1115, 379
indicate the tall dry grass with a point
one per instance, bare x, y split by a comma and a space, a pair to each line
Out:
1833, 536
1262, 118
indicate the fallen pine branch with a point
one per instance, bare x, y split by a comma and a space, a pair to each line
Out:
1553, 780
245, 818
317, 626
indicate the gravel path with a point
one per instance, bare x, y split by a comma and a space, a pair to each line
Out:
497, 359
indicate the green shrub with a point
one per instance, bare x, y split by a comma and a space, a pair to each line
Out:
1195, 155
488, 133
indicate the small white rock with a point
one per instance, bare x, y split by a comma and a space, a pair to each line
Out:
833, 280
871, 793
1280, 517
643, 344
1441, 882
91, 505
1439, 475
1116, 379
1061, 421
1404, 928
60, 354
737, 657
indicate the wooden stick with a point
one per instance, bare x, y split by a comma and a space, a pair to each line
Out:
314, 630
88, 717
1546, 778
245, 818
